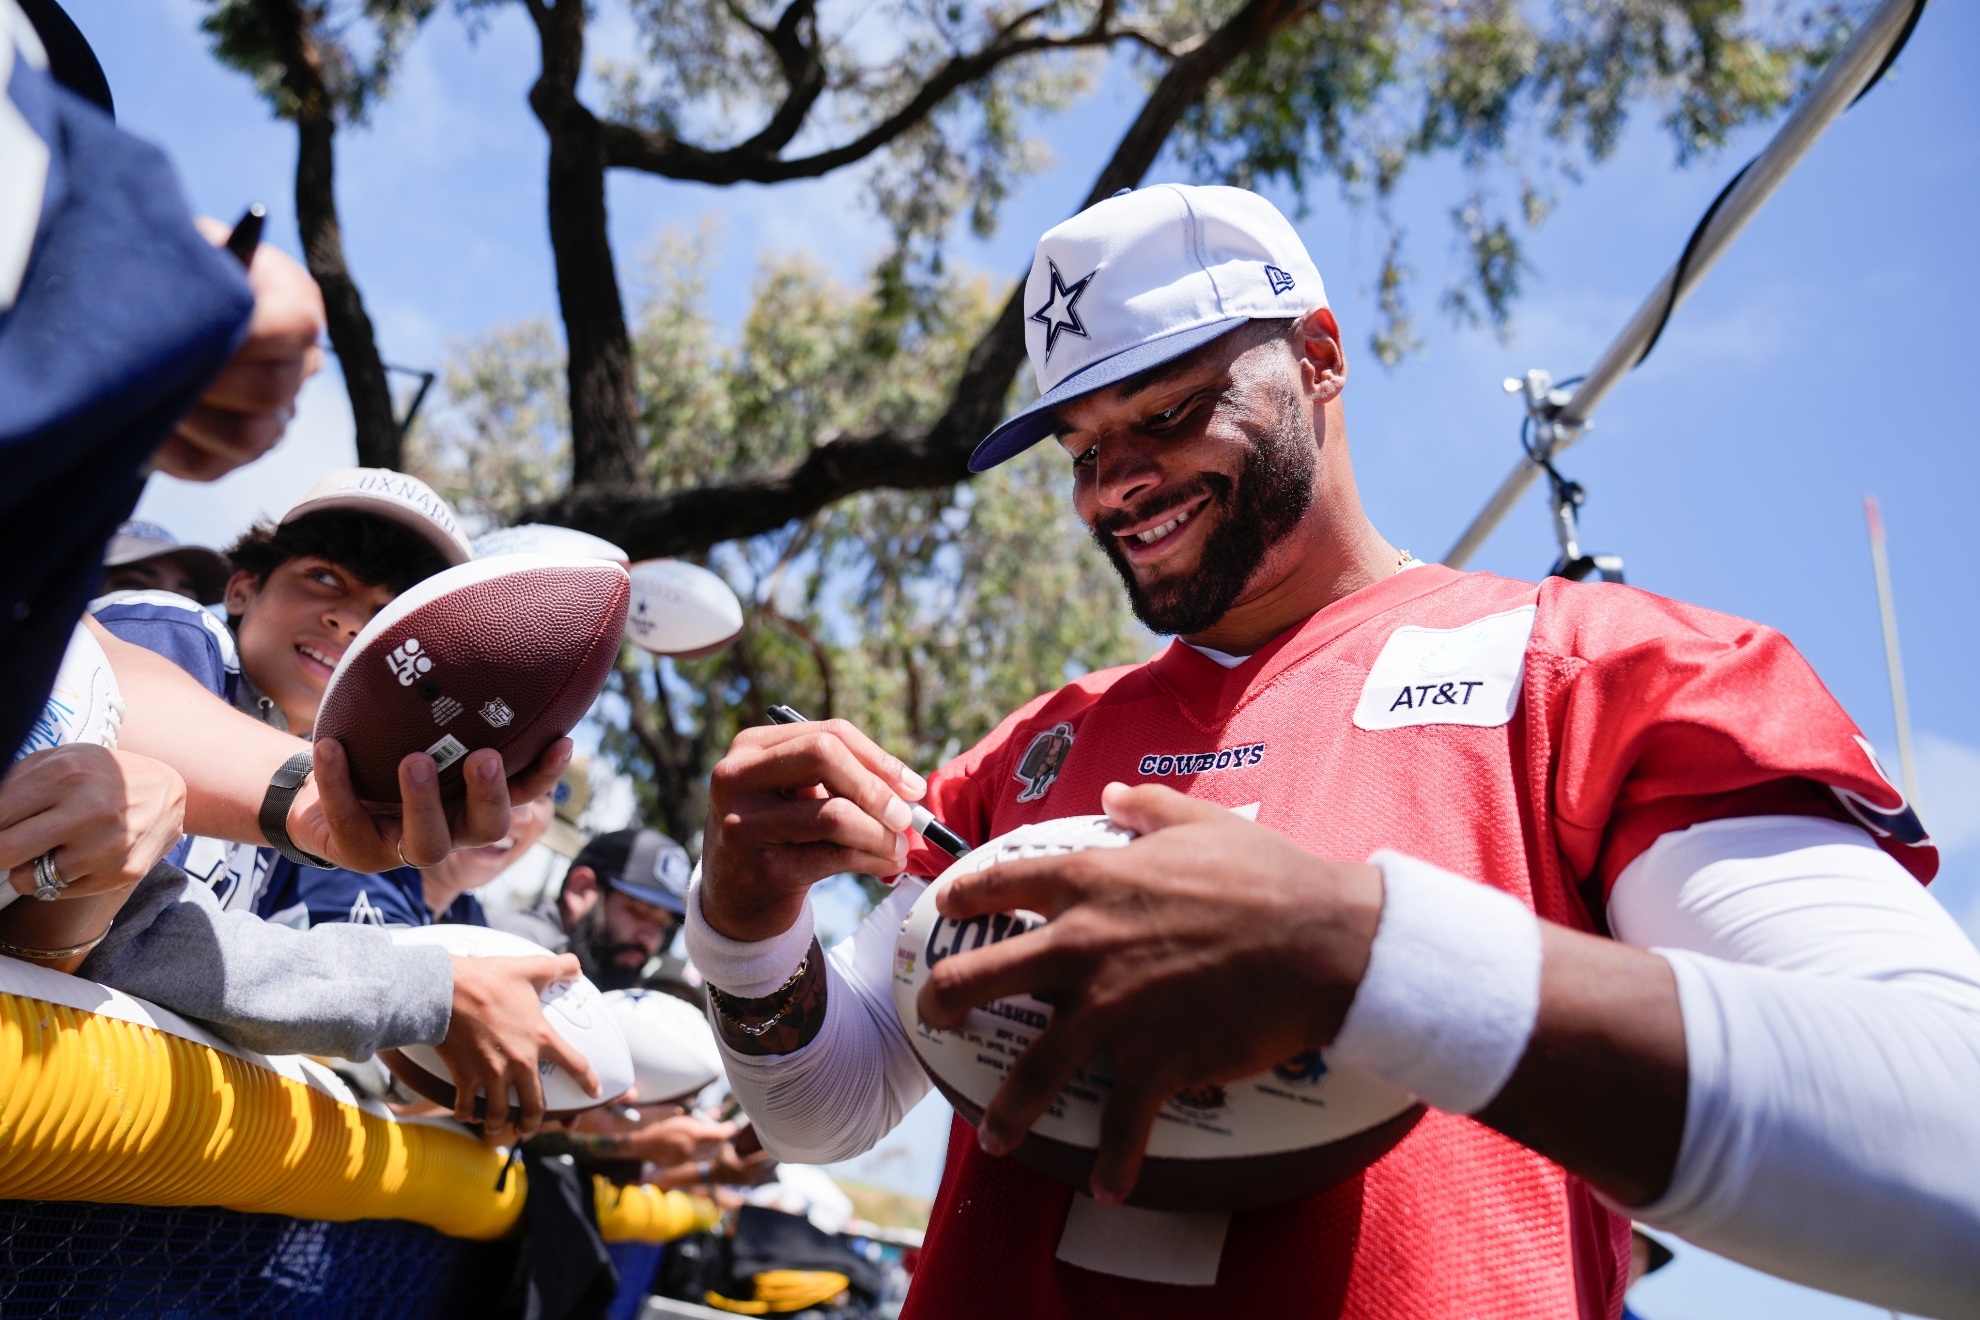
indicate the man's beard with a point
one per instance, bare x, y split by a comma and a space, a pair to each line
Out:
1270, 497
600, 960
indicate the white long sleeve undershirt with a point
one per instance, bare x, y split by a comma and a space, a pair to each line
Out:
1832, 1025
836, 1097
1832, 1029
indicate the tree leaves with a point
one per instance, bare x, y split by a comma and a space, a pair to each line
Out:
356, 47
924, 616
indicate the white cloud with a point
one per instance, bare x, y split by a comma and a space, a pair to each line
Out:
1949, 791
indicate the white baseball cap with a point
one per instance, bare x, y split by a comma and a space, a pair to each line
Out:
1144, 277
383, 493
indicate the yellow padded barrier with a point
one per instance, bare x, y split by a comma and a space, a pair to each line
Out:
647, 1214
96, 1106
779, 1292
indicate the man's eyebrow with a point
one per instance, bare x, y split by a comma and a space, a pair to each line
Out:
1138, 384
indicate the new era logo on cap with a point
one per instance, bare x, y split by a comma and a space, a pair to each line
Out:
1141, 278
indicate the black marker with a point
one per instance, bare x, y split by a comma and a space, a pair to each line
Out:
247, 234
931, 829
242, 241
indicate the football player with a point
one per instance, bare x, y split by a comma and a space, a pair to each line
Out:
1610, 882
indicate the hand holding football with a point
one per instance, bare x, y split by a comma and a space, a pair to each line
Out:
507, 652
1175, 1003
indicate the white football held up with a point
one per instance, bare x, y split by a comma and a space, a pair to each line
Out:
1290, 1132
672, 1046
575, 1010
681, 609
546, 539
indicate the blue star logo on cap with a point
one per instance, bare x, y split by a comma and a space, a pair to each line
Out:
1058, 315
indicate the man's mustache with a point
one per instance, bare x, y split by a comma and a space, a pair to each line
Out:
1215, 485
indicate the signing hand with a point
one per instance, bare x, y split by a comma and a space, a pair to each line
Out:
725, 1168
732, 1169
663, 1135
496, 1036
790, 805
1204, 951
248, 406
328, 819
108, 816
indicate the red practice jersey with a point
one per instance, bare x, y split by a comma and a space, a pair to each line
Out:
1534, 738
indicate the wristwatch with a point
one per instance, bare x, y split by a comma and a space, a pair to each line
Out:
283, 786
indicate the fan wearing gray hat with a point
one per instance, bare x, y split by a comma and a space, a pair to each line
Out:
143, 556
618, 909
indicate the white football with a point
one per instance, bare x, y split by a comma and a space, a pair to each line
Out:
546, 539
672, 1045
84, 704
1290, 1132
681, 609
575, 1010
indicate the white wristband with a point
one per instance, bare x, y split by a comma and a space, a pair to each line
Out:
1452, 989
747, 969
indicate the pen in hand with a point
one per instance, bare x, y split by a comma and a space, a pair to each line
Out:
246, 235
931, 829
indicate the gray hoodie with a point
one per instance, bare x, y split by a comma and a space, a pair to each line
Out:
338, 989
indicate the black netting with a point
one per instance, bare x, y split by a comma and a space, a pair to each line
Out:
60, 1258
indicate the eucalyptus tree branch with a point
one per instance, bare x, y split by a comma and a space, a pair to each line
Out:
690, 521
675, 760
605, 447
819, 655
295, 48
794, 41
756, 160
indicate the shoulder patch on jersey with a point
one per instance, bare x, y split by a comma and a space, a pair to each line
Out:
1038, 769
1899, 823
1470, 674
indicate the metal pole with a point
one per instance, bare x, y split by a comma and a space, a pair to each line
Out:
1900, 708
1832, 93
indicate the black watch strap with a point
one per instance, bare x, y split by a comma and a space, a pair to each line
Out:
283, 786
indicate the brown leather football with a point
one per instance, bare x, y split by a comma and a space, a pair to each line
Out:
507, 652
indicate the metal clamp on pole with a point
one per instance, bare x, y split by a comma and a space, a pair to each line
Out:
1542, 435
1852, 73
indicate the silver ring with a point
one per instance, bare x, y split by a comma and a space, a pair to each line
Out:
48, 882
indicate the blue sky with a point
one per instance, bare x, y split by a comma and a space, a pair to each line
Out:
1821, 360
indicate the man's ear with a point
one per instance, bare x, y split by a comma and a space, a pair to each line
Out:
1317, 341
579, 894
242, 588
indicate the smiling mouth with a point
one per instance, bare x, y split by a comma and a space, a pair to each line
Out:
1154, 534
1149, 537
321, 657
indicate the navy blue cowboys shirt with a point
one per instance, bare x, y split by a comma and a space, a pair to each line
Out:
305, 896
197, 641
114, 316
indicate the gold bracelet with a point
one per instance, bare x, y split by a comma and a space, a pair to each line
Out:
51, 955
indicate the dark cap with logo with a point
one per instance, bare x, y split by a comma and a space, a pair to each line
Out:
642, 864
